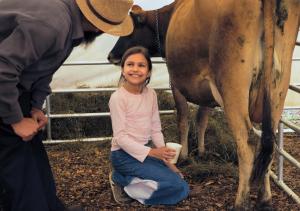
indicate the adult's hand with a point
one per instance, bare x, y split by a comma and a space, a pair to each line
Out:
26, 128
39, 117
162, 153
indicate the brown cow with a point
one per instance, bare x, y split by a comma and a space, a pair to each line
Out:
150, 32
221, 53
233, 50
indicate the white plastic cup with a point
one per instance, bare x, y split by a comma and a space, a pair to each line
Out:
177, 147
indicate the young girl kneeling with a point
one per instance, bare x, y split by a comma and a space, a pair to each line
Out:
144, 172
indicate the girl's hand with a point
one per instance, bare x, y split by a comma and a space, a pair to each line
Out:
162, 153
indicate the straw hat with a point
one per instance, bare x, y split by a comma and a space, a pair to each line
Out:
110, 16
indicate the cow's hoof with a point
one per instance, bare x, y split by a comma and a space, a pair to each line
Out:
184, 162
246, 207
201, 155
241, 209
264, 206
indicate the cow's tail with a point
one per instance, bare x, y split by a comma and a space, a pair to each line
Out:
264, 157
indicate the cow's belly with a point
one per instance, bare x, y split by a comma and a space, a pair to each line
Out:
199, 94
195, 87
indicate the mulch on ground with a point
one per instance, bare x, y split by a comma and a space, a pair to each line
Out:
81, 172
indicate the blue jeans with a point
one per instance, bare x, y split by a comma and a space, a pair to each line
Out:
171, 187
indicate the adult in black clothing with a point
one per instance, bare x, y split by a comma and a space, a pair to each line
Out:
35, 39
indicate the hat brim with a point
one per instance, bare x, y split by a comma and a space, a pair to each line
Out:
123, 29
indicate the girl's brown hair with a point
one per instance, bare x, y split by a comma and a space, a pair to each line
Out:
136, 50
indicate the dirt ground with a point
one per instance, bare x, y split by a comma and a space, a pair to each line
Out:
81, 171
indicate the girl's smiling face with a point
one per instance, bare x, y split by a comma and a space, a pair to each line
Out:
136, 71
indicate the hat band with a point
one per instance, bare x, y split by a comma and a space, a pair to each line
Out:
100, 16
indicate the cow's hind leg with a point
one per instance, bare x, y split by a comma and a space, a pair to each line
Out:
202, 120
240, 126
264, 198
182, 120
233, 83
232, 62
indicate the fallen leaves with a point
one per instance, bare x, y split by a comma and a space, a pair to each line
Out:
81, 173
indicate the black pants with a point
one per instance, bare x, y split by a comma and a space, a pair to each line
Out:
25, 173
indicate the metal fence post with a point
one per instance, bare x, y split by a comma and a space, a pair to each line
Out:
280, 157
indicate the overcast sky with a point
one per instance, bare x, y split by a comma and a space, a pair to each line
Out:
152, 4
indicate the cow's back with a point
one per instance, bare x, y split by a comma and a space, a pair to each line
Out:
189, 31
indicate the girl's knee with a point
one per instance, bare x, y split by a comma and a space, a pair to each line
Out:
181, 186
